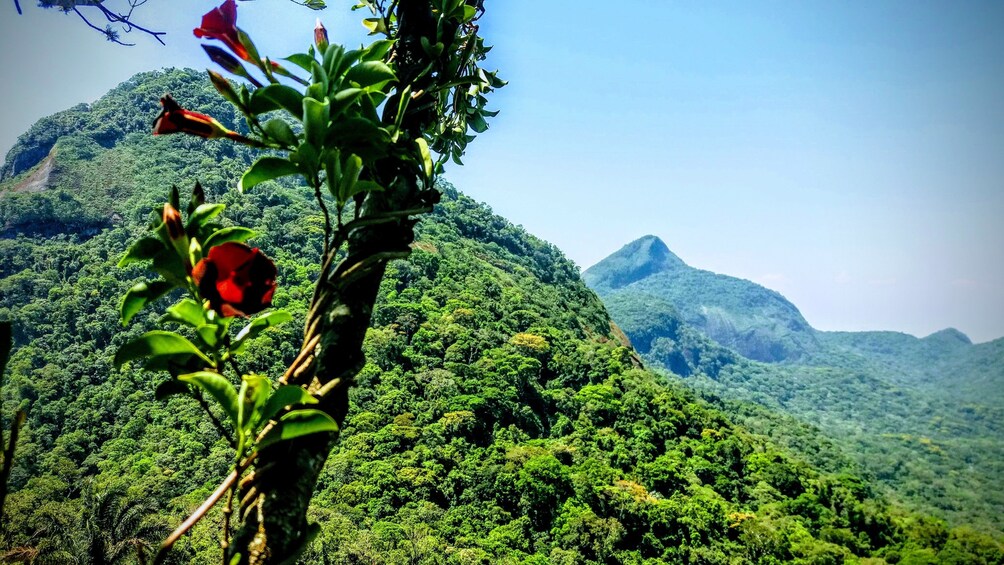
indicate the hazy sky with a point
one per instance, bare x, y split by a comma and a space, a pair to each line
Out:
847, 154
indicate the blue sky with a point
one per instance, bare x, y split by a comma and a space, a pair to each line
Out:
847, 154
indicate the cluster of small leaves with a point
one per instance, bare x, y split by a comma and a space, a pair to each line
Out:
459, 98
167, 259
331, 131
200, 362
350, 114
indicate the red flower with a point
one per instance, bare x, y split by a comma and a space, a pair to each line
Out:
236, 279
221, 23
173, 119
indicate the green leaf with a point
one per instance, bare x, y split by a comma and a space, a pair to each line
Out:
186, 311
306, 156
157, 343
208, 334
258, 325
143, 250
370, 73
423, 149
376, 50
266, 168
285, 395
331, 58
375, 25
141, 294
219, 388
178, 364
477, 123
170, 388
347, 60
275, 97
319, 76
343, 99
168, 264
333, 170
301, 60
253, 57
202, 214
255, 390
299, 423
433, 50
315, 121
225, 235
280, 131
348, 132
350, 174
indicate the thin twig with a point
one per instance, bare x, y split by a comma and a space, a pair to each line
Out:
108, 33
216, 422
327, 217
124, 20
305, 352
227, 511
200, 512
234, 366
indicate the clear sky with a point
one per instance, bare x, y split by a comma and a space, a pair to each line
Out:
847, 154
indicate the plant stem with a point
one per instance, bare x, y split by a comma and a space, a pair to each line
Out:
216, 422
200, 512
227, 511
316, 183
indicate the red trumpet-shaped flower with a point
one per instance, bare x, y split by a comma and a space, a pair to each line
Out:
174, 119
221, 23
236, 279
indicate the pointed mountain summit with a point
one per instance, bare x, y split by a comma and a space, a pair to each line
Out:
754, 321
950, 337
633, 262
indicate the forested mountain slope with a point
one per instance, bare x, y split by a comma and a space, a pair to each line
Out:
499, 419
756, 322
924, 416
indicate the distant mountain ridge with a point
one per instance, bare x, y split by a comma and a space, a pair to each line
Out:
923, 414
756, 322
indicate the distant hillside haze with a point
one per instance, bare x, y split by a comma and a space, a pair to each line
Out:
925, 415
756, 322
762, 325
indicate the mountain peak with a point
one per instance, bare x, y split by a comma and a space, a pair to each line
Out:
950, 336
656, 251
637, 260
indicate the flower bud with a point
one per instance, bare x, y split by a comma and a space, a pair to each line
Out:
172, 221
175, 229
320, 36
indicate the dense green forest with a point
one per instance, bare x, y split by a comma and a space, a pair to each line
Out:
501, 417
923, 417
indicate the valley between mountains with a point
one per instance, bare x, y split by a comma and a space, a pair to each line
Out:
505, 414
